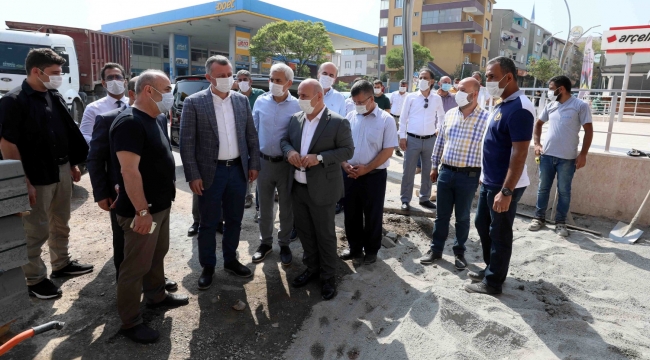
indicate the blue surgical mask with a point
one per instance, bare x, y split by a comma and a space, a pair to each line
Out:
446, 87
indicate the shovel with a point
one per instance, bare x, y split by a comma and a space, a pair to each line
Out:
627, 233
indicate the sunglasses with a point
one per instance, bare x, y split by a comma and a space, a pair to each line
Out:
426, 103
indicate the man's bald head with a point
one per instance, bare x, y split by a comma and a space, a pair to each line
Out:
310, 87
445, 80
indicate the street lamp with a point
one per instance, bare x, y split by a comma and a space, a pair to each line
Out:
573, 42
569, 34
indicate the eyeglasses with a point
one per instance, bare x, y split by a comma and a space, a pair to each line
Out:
114, 77
426, 103
362, 102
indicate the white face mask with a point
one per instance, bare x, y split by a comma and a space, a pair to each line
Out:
326, 81
493, 87
223, 84
461, 99
276, 89
402, 89
377, 91
551, 95
115, 87
423, 85
54, 83
244, 86
361, 109
305, 105
166, 103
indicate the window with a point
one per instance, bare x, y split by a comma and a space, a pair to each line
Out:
384, 5
523, 41
383, 22
466, 59
358, 64
514, 56
199, 54
539, 32
469, 40
399, 4
397, 21
469, 18
348, 64
489, 7
165, 51
417, 14
397, 39
487, 24
146, 49
485, 43
537, 47
483, 62
441, 16
347, 52
384, 41
502, 53
382, 59
525, 24
415, 33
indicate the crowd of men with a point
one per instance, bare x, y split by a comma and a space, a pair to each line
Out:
319, 154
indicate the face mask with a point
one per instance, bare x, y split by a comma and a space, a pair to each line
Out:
462, 99
54, 83
493, 87
361, 109
377, 91
276, 89
115, 87
402, 89
423, 85
244, 86
166, 103
223, 84
326, 81
446, 87
305, 105
551, 95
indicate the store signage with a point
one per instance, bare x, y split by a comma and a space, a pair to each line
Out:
225, 5
243, 43
627, 39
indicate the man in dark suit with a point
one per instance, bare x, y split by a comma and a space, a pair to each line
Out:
317, 142
103, 180
221, 153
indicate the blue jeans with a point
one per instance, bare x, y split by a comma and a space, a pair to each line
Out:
548, 167
495, 231
227, 193
455, 190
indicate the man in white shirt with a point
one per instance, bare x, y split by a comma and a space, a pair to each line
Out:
396, 101
114, 81
421, 117
483, 96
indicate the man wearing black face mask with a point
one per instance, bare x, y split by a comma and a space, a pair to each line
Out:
37, 129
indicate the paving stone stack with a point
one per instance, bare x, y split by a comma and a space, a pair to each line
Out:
14, 300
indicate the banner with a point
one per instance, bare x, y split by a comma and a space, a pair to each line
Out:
242, 46
587, 69
181, 51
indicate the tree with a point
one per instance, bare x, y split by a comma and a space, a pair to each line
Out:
395, 60
298, 40
462, 72
340, 86
543, 69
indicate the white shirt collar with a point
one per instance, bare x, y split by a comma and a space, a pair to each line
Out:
218, 99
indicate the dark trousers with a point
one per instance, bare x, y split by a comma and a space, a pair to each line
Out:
118, 243
227, 192
495, 231
364, 211
316, 229
455, 193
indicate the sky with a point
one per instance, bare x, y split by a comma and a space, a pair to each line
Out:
362, 15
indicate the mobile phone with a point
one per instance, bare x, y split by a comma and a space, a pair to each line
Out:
153, 226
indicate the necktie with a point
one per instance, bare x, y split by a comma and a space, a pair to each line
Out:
119, 103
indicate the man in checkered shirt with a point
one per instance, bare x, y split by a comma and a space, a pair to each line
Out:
457, 167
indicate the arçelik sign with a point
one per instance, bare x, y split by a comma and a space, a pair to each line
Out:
225, 5
627, 39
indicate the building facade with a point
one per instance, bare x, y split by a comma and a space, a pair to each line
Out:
359, 62
456, 32
511, 38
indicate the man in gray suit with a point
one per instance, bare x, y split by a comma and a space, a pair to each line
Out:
221, 153
316, 143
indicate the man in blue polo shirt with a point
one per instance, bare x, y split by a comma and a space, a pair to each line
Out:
505, 148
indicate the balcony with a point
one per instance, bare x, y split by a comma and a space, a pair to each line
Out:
465, 26
513, 44
517, 28
472, 7
471, 48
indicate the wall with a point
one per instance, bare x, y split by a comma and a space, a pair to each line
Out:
353, 70
446, 48
611, 186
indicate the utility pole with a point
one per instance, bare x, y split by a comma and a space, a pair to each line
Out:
407, 41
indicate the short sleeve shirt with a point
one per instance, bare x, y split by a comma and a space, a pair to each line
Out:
511, 121
372, 134
139, 133
383, 102
565, 121
255, 93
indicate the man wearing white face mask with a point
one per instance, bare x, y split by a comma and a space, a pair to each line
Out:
271, 116
381, 100
396, 100
456, 167
221, 154
114, 81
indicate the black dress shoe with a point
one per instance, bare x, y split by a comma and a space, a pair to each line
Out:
482, 288
285, 255
220, 228
406, 206
205, 280
339, 208
261, 252
73, 268
171, 300
193, 230
370, 259
428, 204
141, 333
304, 278
236, 268
328, 289
170, 285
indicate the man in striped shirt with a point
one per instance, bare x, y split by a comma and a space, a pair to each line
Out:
456, 165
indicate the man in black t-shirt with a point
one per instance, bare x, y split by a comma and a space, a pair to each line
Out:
145, 166
382, 101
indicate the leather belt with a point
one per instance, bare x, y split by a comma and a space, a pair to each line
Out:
273, 159
231, 162
62, 161
461, 169
421, 137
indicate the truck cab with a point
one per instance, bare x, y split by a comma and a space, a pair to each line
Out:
14, 46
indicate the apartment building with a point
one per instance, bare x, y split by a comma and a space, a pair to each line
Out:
359, 62
456, 31
537, 45
511, 37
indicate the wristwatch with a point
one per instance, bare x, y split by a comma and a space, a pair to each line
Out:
506, 192
319, 157
143, 212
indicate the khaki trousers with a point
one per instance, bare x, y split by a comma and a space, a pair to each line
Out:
48, 222
143, 268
